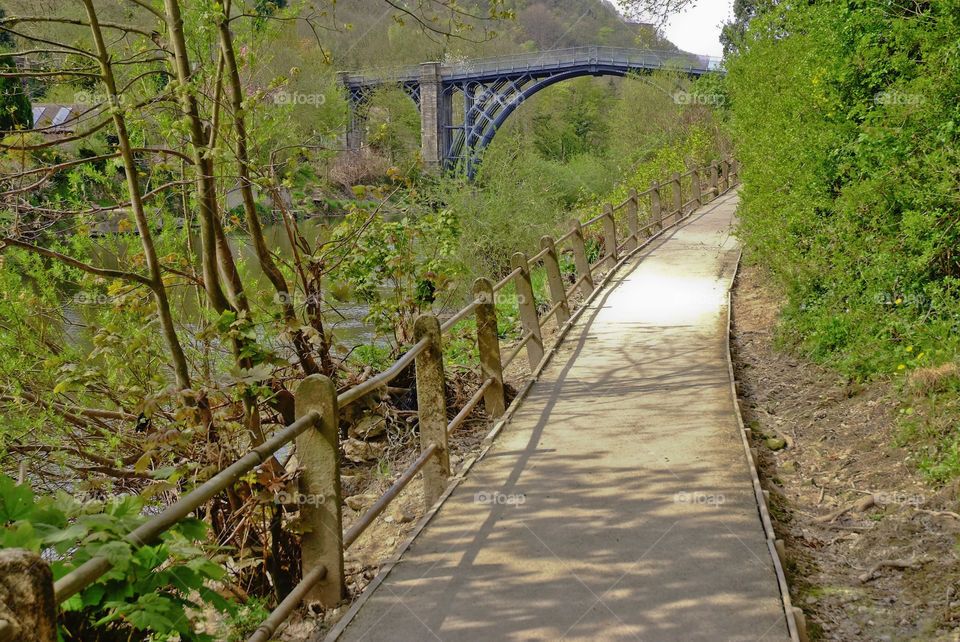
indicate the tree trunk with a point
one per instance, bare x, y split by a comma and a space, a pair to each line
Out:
267, 264
179, 361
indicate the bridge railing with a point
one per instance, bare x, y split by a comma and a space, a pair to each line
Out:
556, 58
316, 432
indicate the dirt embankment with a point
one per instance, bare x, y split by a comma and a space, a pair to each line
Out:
872, 549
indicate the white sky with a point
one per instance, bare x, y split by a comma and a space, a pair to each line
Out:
697, 29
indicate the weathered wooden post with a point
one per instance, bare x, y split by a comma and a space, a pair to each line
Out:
319, 493
725, 174
432, 408
656, 207
734, 171
488, 345
714, 184
28, 610
527, 305
697, 193
558, 295
609, 235
580, 258
633, 222
677, 197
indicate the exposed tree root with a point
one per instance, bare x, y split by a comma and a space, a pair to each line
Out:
871, 573
864, 504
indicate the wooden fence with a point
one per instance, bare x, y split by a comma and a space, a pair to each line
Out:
318, 406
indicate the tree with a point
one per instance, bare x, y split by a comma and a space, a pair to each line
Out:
744, 11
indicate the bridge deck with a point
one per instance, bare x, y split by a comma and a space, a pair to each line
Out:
628, 507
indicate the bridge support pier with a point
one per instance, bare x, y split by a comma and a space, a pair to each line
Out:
355, 135
436, 114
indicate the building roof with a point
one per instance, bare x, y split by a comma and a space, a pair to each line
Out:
55, 116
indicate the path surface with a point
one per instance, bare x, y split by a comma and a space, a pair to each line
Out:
617, 503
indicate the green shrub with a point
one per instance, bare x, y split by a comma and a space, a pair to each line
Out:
846, 117
148, 589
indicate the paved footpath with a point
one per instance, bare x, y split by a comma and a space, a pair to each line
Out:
617, 503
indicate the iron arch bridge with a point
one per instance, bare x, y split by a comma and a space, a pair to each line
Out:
491, 89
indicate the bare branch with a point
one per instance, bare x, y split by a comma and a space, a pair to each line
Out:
14, 20
69, 260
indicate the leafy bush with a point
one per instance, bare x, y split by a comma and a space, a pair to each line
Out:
398, 267
149, 589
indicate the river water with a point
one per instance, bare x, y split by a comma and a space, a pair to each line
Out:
344, 319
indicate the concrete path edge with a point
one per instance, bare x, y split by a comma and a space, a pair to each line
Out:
795, 620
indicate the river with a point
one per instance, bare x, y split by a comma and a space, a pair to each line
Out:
345, 319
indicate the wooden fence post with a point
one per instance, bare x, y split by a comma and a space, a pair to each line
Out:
714, 184
609, 235
432, 408
488, 345
677, 197
28, 610
319, 493
656, 206
697, 192
725, 174
580, 257
633, 222
527, 305
558, 294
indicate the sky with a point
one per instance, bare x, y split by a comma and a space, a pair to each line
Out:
697, 29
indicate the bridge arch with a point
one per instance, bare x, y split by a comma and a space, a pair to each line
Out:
484, 118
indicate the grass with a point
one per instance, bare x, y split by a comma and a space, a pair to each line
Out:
929, 423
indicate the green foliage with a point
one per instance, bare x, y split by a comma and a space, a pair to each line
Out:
517, 198
373, 355
569, 120
846, 117
734, 33
148, 589
567, 149
397, 267
245, 620
693, 146
15, 110
394, 124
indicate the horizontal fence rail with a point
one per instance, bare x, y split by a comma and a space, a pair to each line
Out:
316, 432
